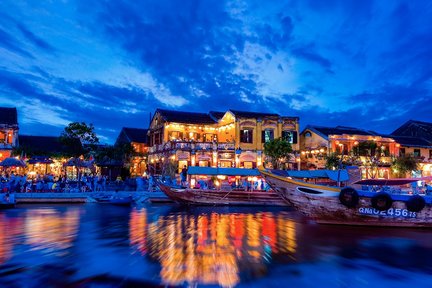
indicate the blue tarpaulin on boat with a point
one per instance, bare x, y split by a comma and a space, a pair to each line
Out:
196, 170
338, 175
335, 175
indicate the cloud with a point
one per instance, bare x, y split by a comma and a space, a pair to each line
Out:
13, 45
35, 40
114, 62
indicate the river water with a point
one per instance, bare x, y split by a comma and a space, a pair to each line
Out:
96, 245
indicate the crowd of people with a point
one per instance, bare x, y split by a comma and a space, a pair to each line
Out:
14, 182
49, 183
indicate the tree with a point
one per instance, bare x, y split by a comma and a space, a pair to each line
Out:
80, 130
404, 164
278, 152
332, 161
365, 148
169, 168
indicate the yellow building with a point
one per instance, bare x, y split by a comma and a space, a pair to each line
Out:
216, 139
8, 131
317, 142
415, 138
137, 138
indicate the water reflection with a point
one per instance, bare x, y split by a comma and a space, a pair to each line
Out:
50, 229
9, 229
108, 246
211, 247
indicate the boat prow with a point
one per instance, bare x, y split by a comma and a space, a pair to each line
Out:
349, 206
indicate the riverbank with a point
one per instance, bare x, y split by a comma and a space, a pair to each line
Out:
84, 197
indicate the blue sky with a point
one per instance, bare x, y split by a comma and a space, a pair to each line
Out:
366, 64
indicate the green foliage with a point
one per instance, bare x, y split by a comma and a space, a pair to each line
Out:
366, 148
404, 164
120, 152
76, 130
169, 167
76, 134
278, 152
332, 161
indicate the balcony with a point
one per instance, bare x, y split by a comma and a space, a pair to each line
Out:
188, 146
203, 146
226, 146
5, 146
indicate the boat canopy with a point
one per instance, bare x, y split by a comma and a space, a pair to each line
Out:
196, 170
390, 182
335, 175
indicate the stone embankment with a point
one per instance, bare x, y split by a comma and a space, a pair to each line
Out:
83, 197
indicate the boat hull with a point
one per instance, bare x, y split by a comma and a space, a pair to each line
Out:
326, 208
122, 201
7, 201
222, 197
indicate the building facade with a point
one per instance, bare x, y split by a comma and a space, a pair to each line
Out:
8, 131
216, 139
138, 140
415, 138
367, 149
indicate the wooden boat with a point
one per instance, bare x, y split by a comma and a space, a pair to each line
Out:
7, 200
222, 195
191, 196
113, 199
387, 206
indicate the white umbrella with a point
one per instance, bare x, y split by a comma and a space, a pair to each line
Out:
12, 162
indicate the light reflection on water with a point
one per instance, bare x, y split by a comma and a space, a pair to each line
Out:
213, 248
107, 246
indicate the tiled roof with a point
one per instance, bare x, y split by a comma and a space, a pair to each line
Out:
411, 141
186, 117
339, 130
245, 114
136, 134
415, 129
43, 145
217, 115
8, 116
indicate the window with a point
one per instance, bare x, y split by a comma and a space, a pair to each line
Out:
307, 134
246, 136
402, 152
416, 152
193, 136
291, 136
175, 135
267, 135
208, 137
430, 154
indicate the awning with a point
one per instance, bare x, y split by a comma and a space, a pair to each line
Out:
335, 175
40, 160
390, 182
196, 170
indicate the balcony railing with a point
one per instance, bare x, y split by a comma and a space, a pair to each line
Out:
203, 146
187, 146
5, 146
226, 146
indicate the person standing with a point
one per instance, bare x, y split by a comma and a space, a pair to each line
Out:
183, 176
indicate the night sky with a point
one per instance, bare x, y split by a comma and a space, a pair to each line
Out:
360, 63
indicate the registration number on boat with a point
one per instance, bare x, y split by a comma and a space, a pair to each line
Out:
392, 212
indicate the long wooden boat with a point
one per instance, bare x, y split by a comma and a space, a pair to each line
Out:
114, 200
349, 206
189, 196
